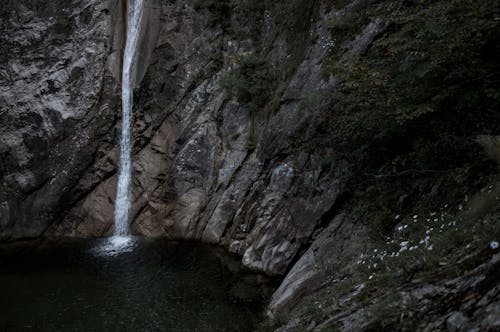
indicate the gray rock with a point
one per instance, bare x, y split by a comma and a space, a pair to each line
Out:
457, 321
328, 254
491, 321
53, 88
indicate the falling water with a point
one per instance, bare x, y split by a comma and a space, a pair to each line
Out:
123, 195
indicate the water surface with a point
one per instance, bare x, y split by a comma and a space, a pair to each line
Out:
123, 284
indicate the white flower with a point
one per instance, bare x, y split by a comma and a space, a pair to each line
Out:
494, 245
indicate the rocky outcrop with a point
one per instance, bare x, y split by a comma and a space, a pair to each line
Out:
335, 248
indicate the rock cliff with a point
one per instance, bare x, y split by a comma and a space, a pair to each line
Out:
254, 129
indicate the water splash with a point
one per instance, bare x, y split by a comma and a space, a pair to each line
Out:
115, 246
124, 192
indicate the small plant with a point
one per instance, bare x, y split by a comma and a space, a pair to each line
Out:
343, 26
252, 82
220, 11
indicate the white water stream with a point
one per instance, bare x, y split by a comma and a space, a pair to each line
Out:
124, 192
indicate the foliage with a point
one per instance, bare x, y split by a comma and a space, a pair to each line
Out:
408, 112
343, 27
406, 116
219, 10
290, 17
252, 82
295, 18
434, 57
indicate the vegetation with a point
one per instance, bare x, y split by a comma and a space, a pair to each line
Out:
408, 112
416, 117
219, 11
251, 82
293, 17
426, 248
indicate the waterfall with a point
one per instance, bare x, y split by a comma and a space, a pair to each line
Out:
124, 192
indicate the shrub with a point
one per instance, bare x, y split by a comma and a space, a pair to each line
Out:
252, 82
219, 10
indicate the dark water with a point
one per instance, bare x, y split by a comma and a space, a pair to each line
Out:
139, 285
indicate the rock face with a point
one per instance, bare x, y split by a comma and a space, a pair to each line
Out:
58, 101
205, 166
195, 176
334, 249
